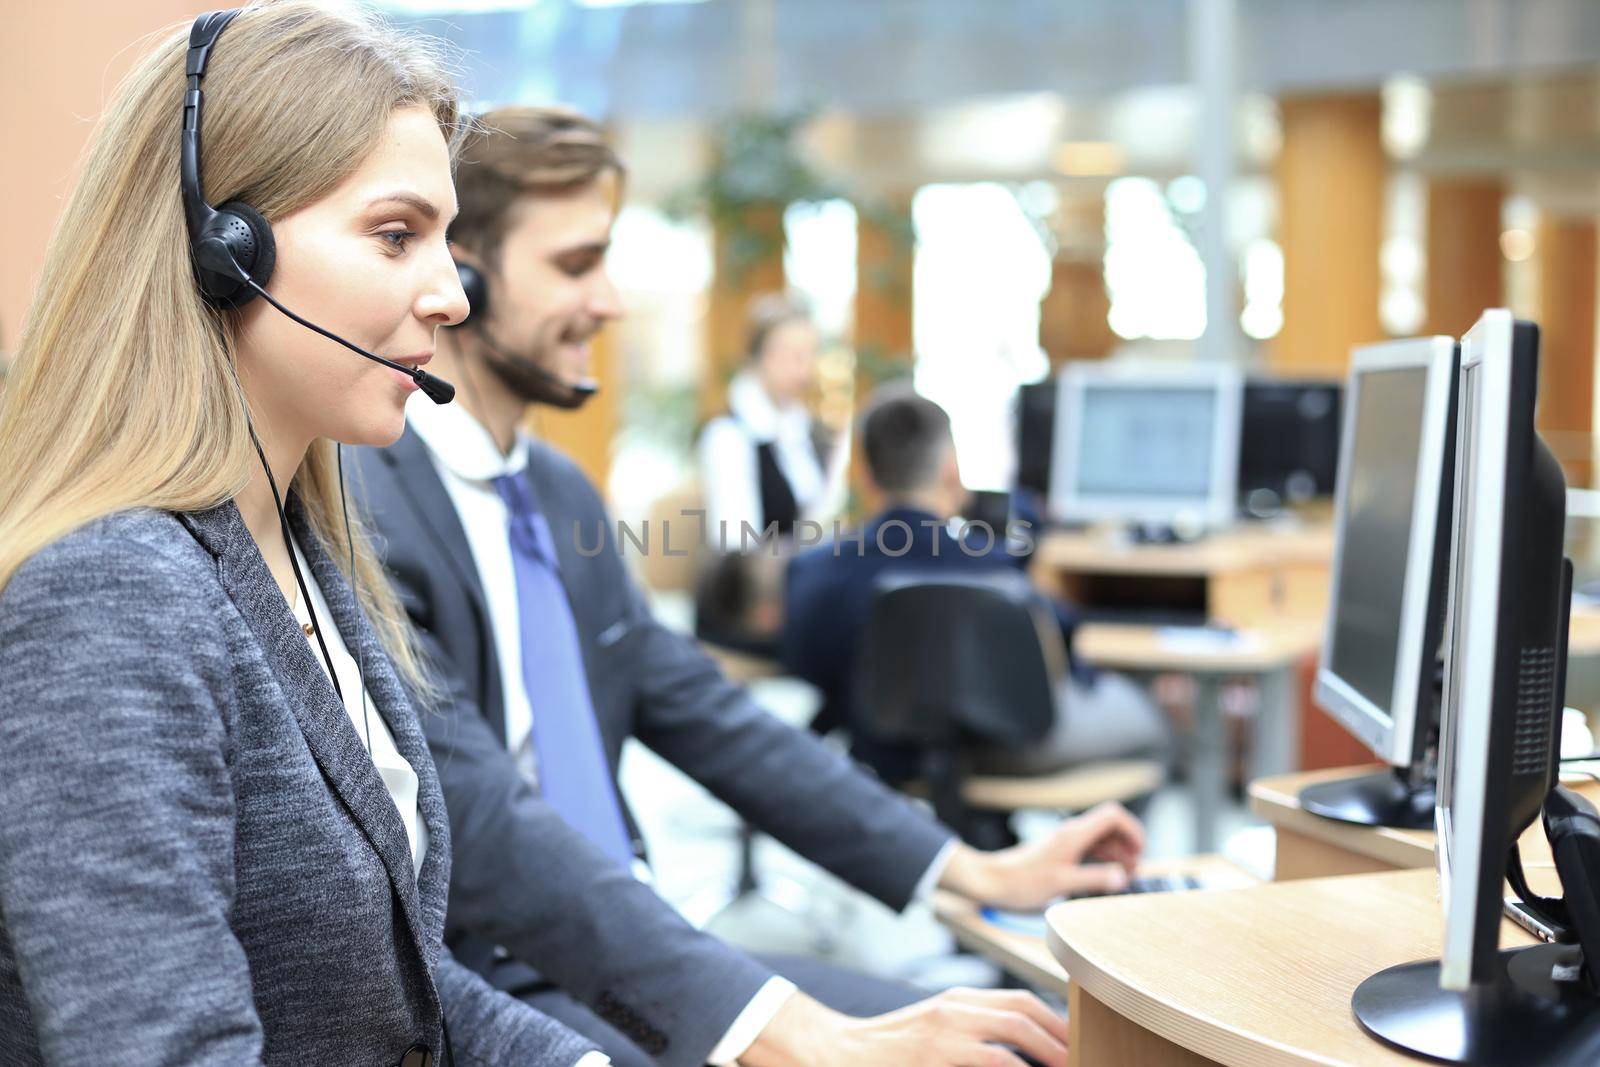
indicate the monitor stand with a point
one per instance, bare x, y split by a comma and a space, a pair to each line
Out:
1384, 798
1152, 533
1523, 1016
1543, 1003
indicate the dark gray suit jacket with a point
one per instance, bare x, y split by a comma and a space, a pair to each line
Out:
526, 881
199, 863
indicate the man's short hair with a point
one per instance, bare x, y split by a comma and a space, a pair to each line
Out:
904, 437
512, 151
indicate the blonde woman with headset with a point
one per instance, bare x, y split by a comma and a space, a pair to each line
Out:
224, 841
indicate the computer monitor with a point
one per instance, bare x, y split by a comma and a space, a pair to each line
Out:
1505, 647
1503, 687
1146, 445
1036, 428
992, 509
1289, 443
1377, 674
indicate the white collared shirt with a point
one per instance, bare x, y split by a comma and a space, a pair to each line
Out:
398, 777
467, 460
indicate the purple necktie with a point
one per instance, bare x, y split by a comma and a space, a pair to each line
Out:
572, 769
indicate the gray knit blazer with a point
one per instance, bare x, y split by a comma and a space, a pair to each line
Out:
199, 863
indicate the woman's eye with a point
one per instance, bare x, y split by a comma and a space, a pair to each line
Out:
398, 239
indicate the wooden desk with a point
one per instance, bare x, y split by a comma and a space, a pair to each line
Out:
1272, 654
1257, 650
1310, 846
1242, 575
1258, 976
1029, 957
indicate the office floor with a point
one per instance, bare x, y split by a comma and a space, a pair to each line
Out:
802, 909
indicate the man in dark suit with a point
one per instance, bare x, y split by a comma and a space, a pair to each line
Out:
911, 460
549, 659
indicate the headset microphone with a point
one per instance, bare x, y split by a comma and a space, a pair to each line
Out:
233, 247
524, 376
215, 256
556, 391
435, 388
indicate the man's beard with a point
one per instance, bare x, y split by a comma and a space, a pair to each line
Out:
529, 381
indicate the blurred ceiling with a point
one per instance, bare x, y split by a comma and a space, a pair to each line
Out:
709, 58
912, 91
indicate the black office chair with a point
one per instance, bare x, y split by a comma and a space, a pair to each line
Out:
951, 663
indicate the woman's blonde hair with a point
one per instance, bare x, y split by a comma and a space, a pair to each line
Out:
123, 392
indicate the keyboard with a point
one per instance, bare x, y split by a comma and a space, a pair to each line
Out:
1155, 883
1141, 615
1032, 923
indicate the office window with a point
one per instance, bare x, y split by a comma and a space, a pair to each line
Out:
1153, 272
662, 270
1262, 316
819, 262
1401, 304
980, 271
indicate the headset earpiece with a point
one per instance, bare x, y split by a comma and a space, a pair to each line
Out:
476, 286
545, 387
239, 230
233, 243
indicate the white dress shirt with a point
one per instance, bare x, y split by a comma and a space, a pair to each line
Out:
398, 777
467, 460
730, 474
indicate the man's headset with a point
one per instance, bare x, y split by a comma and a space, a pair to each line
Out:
530, 380
233, 252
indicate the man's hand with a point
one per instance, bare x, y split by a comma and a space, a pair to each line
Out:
960, 1028
1095, 852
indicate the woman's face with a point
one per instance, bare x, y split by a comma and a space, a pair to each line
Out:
788, 361
368, 262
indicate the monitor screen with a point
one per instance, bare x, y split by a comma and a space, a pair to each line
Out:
1379, 511
1036, 416
1146, 442
1288, 443
1377, 671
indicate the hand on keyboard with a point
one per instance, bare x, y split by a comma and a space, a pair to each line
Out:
1033, 923
1155, 883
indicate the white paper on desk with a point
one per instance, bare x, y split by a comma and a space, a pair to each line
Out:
1201, 639
1580, 771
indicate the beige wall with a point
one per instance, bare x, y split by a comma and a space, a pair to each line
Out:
59, 62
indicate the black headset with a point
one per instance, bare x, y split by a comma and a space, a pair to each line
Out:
476, 286
233, 254
232, 246
549, 388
